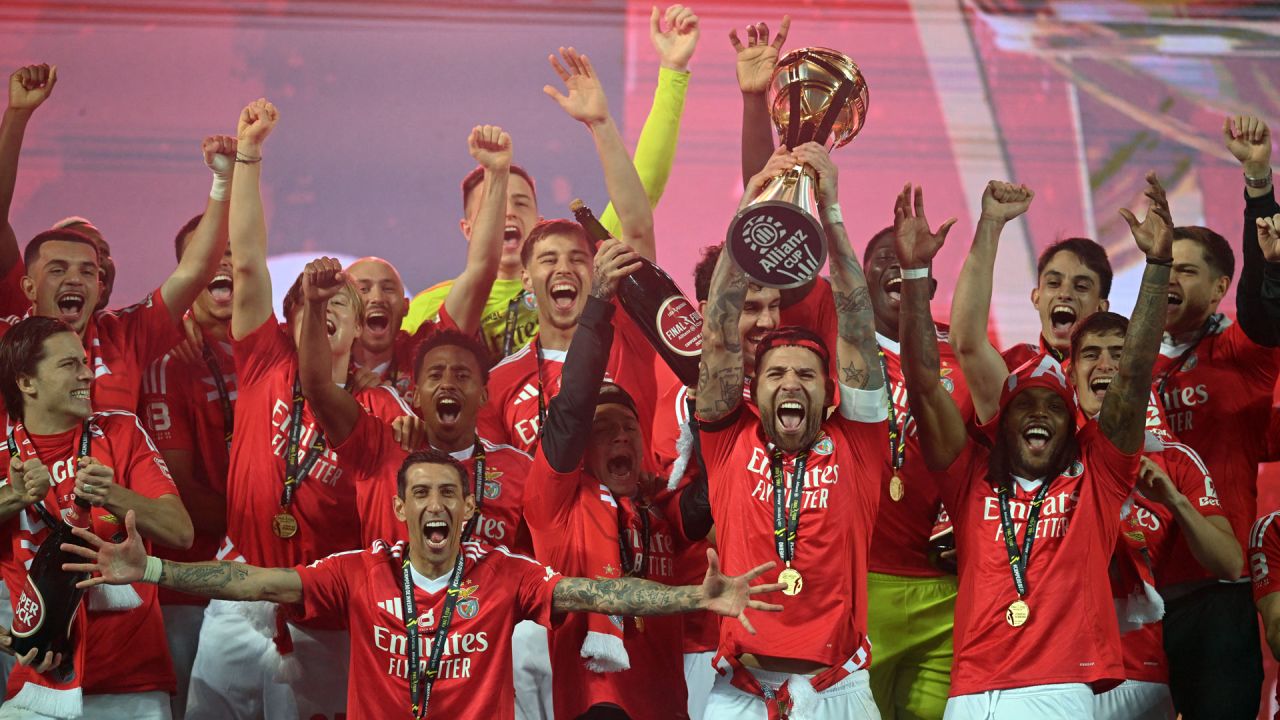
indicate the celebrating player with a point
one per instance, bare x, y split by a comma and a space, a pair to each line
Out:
1061, 591
452, 658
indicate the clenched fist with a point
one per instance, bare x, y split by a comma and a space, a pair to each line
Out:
490, 146
257, 120
30, 86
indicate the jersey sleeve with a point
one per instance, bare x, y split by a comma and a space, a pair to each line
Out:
367, 446
535, 588
261, 351
1258, 364
166, 411
953, 482
1111, 471
144, 471
1264, 555
149, 328
384, 403
1191, 476
326, 587
549, 496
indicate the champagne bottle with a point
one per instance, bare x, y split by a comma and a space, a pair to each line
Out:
669, 321
46, 609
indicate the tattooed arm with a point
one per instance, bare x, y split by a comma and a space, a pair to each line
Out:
727, 596
126, 562
1124, 409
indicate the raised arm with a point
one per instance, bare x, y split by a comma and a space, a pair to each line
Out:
983, 367
586, 103
334, 408
1124, 409
727, 596
755, 64
858, 356
1258, 293
28, 87
128, 562
570, 413
251, 304
208, 243
938, 421
491, 148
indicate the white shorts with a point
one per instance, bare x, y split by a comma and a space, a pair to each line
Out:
1135, 700
134, 706
849, 699
324, 657
182, 629
232, 678
1065, 701
699, 675
531, 671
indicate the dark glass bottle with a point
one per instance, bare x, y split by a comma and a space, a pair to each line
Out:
669, 321
45, 610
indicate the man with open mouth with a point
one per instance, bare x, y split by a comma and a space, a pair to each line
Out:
387, 350
1040, 503
461, 598
510, 312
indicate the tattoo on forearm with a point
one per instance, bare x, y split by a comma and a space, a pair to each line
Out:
720, 374
623, 596
856, 323
216, 579
1126, 402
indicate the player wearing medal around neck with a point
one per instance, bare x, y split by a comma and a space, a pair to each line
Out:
790, 465
1172, 519
293, 497
465, 598
1020, 591
60, 449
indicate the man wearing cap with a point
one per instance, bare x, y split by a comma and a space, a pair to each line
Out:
1041, 505
790, 473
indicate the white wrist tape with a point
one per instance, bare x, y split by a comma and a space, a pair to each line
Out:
831, 214
152, 573
915, 273
222, 167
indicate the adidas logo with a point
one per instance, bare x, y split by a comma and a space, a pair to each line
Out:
528, 392
393, 606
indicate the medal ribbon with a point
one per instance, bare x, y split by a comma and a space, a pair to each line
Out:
1018, 562
224, 398
420, 683
897, 430
786, 515
1210, 326
83, 452
542, 403
509, 332
478, 472
294, 471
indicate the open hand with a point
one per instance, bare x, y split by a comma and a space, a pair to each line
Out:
731, 596
1154, 235
30, 86
758, 58
1002, 201
108, 562
490, 147
915, 243
676, 44
586, 101
322, 279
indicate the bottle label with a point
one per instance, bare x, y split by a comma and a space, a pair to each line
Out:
680, 326
28, 612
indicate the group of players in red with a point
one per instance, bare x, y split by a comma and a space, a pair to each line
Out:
857, 513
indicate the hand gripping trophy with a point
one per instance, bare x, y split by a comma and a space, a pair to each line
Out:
818, 95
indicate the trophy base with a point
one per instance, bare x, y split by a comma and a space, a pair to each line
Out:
777, 244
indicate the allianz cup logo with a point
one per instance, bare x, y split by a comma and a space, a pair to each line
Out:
28, 612
761, 232
777, 247
680, 326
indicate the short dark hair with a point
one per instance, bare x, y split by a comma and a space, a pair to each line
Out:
557, 226
186, 230
21, 350
704, 270
1093, 255
876, 240
293, 299
32, 252
1217, 251
476, 176
453, 338
430, 457
1100, 323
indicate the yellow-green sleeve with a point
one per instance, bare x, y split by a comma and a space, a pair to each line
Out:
425, 305
656, 149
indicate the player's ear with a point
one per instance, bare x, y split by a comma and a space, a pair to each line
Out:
469, 506
1104, 305
397, 506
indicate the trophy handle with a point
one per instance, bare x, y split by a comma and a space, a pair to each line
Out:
799, 132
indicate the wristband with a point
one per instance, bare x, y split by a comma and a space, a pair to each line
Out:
920, 273
831, 214
1167, 262
1258, 183
152, 572
221, 168
248, 159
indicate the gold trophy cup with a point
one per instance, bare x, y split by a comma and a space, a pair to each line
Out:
818, 95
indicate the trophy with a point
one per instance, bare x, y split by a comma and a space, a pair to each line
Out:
819, 95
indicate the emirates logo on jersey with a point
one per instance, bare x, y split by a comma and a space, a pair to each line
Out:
28, 612
680, 326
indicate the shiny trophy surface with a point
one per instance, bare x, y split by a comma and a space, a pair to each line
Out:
818, 95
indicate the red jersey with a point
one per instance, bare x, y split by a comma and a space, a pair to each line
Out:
1222, 389
375, 459
816, 311
516, 384
325, 504
1018, 355
14, 302
827, 622
183, 410
1264, 554
900, 544
1071, 609
126, 651
574, 520
361, 590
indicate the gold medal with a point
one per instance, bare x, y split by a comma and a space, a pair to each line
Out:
794, 583
1017, 613
896, 489
284, 526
